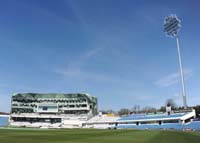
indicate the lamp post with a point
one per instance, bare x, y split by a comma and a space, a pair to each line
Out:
171, 27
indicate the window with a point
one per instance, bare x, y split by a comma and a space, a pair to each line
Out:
45, 108
84, 105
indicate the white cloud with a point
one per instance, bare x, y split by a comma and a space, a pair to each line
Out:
75, 68
173, 78
92, 52
85, 75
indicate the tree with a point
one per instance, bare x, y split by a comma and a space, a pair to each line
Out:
148, 109
171, 102
124, 111
109, 111
135, 109
197, 109
162, 109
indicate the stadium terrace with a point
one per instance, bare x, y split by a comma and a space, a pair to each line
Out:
80, 111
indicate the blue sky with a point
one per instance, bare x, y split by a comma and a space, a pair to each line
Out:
113, 49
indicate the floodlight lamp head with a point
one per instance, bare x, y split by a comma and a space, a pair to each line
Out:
172, 25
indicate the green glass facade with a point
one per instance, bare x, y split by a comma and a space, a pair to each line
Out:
78, 103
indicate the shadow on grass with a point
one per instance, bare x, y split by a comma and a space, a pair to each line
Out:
175, 137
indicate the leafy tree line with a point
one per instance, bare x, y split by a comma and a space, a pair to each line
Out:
137, 109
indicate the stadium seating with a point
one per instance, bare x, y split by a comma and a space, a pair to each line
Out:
101, 122
144, 116
103, 119
175, 126
195, 125
3, 121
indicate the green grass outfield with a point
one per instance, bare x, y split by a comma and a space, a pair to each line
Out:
96, 136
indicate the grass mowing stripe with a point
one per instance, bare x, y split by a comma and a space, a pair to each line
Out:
95, 136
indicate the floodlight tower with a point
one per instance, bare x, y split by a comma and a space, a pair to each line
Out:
171, 27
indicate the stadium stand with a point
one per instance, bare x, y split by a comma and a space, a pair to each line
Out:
195, 125
174, 126
144, 116
175, 121
80, 111
52, 110
3, 121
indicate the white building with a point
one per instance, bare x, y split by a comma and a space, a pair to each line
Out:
52, 110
